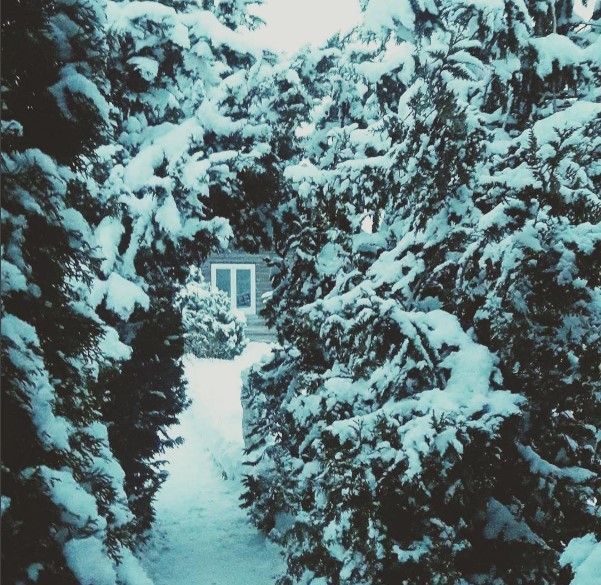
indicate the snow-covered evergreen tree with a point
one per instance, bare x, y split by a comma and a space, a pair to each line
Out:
528, 282
433, 415
186, 160
65, 516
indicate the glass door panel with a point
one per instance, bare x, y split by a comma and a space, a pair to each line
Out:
243, 288
223, 280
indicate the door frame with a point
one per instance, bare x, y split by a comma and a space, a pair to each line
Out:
232, 267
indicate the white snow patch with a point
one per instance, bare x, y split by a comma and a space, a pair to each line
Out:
108, 235
556, 48
584, 555
89, 562
147, 68
383, 14
202, 536
215, 387
112, 347
130, 571
579, 114
5, 502
501, 521
168, 216
73, 84
78, 507
22, 345
12, 278
396, 57
121, 295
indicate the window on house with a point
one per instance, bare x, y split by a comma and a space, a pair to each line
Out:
238, 282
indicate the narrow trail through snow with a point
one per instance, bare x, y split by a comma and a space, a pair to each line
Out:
201, 536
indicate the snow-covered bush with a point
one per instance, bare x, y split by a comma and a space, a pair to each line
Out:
65, 515
212, 329
183, 175
433, 414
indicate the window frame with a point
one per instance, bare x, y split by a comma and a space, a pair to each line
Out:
232, 267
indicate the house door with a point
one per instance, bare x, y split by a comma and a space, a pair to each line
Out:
238, 282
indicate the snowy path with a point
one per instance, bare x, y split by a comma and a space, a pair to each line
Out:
202, 537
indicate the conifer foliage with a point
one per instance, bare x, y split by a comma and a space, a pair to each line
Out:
177, 174
433, 414
65, 516
114, 122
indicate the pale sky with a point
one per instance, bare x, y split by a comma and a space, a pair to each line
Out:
290, 24
294, 23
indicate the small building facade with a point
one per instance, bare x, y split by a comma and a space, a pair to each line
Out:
246, 279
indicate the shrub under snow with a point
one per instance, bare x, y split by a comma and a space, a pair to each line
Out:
212, 329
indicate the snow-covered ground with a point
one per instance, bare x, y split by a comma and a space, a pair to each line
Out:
201, 535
